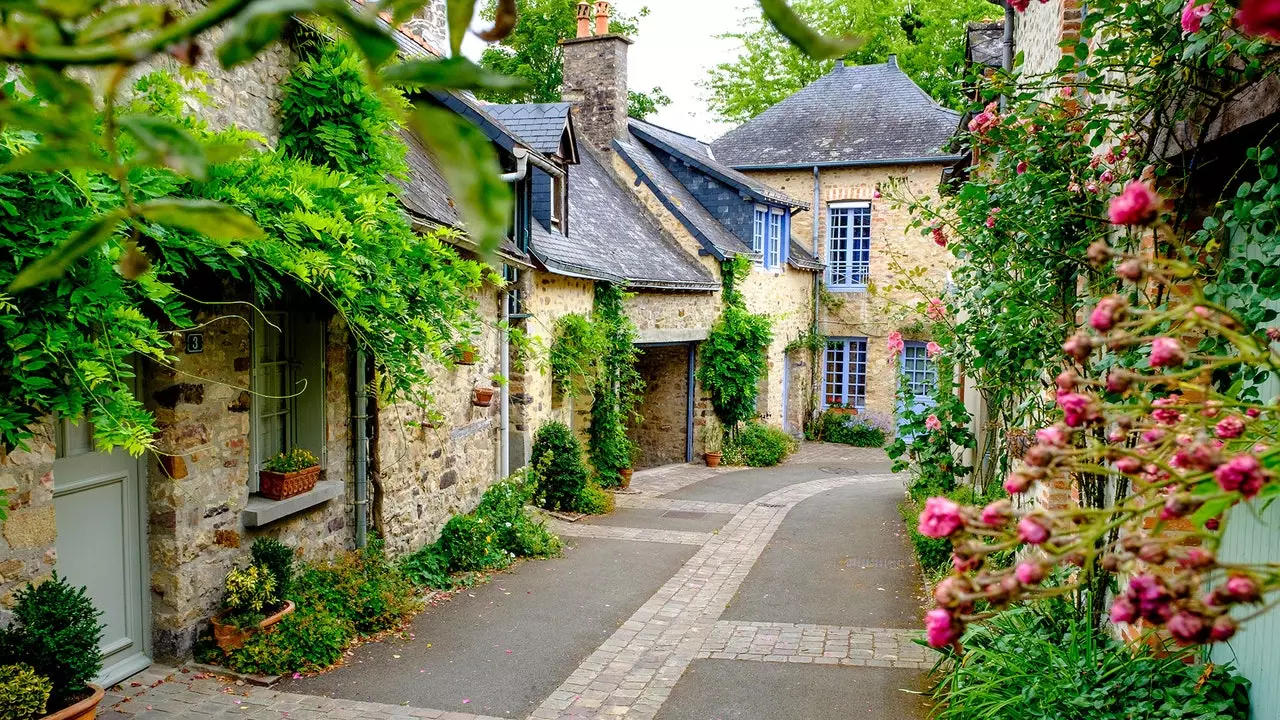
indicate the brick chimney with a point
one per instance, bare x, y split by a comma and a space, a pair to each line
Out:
428, 26
595, 77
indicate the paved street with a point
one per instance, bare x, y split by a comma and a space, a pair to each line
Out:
758, 594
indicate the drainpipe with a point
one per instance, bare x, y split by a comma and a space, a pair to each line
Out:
815, 374
504, 345
360, 419
1006, 59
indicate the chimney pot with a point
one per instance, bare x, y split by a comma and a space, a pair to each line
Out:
584, 18
893, 61
602, 17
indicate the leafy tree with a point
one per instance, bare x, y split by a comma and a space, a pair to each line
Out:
532, 53
928, 38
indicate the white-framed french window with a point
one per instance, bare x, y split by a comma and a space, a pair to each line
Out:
759, 231
848, 245
844, 372
918, 370
777, 228
287, 370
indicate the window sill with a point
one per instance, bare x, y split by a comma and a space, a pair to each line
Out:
263, 511
847, 288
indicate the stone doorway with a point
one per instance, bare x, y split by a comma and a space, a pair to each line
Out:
664, 433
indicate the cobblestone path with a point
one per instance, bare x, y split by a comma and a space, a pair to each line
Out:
633, 672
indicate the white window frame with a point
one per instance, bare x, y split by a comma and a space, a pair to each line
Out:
302, 370
848, 246
777, 232
759, 231
844, 372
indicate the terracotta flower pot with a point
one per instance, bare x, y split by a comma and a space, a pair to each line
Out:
278, 485
482, 396
467, 357
713, 458
843, 411
625, 474
86, 709
232, 637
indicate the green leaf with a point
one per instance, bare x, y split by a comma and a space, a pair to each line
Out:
377, 45
167, 144
211, 219
121, 20
61, 257
457, 73
809, 41
256, 27
58, 155
470, 165
460, 13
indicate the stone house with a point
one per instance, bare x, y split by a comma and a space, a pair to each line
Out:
855, 140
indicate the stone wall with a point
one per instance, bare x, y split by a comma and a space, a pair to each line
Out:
198, 481
27, 542
859, 314
548, 298
424, 475
786, 296
1038, 33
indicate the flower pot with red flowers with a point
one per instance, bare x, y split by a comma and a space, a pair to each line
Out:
51, 650
482, 396
288, 474
252, 604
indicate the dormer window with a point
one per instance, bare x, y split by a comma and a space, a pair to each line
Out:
770, 236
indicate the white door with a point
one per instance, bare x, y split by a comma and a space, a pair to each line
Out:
99, 501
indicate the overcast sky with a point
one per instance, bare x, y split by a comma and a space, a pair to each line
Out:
673, 50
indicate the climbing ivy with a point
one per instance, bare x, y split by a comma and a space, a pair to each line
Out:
575, 354
734, 355
339, 237
617, 389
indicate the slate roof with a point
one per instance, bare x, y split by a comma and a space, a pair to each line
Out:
853, 115
676, 198
613, 237
984, 43
696, 153
541, 125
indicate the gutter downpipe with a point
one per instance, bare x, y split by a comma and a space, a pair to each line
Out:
360, 417
504, 346
814, 372
1006, 59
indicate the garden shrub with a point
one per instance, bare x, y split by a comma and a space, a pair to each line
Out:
758, 445
307, 640
429, 567
24, 694
250, 594
595, 501
55, 631
862, 430
1041, 662
558, 468
277, 558
362, 587
733, 358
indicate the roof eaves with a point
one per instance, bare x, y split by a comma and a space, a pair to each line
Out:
707, 246
701, 164
574, 270
494, 130
925, 160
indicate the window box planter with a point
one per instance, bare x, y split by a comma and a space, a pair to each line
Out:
482, 396
843, 411
280, 486
86, 709
713, 458
232, 637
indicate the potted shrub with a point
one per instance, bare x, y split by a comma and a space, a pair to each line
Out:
54, 634
23, 692
633, 454
713, 443
252, 603
482, 396
465, 354
288, 474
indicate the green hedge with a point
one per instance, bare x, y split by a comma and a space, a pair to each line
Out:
758, 445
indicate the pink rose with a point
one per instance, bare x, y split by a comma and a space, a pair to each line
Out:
1066, 91
940, 518
991, 221
1167, 352
933, 349
1260, 17
1022, 167
1029, 572
936, 309
1055, 435
1188, 628
1032, 530
1078, 409
1129, 465
1020, 5
1017, 483
997, 513
895, 344
1138, 204
933, 423
939, 237
941, 628
1109, 311
1224, 627
1229, 427
1193, 15
1243, 474
1242, 588
1107, 177
1123, 611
